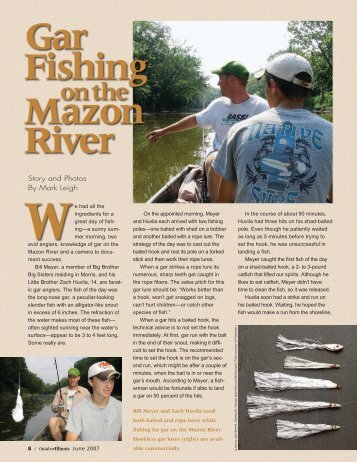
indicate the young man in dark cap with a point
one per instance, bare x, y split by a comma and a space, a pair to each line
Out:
281, 155
63, 401
234, 106
98, 417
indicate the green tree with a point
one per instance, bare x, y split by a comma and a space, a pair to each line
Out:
15, 368
202, 100
174, 77
313, 39
256, 87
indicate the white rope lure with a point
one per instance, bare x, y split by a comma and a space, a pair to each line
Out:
276, 381
17, 412
287, 344
292, 362
292, 430
262, 406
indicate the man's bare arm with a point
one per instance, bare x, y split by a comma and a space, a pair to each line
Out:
184, 124
227, 191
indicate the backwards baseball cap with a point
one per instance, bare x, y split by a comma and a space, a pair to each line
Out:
286, 66
74, 371
102, 366
234, 68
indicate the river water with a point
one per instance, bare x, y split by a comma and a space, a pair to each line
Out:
155, 164
37, 411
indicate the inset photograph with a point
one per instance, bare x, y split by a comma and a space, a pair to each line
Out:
61, 399
228, 122
296, 387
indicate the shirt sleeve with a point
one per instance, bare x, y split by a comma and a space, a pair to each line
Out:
224, 161
205, 118
74, 423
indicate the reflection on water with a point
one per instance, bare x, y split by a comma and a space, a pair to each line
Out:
37, 410
155, 164
38, 421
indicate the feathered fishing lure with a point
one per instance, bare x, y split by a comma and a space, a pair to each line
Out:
286, 344
262, 406
276, 381
17, 412
292, 430
292, 362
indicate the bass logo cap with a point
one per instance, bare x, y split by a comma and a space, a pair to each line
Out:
286, 66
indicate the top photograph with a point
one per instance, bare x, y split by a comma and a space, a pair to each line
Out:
243, 120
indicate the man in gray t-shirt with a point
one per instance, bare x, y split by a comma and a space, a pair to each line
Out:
283, 155
99, 417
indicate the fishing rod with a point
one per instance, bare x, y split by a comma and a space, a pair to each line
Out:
58, 380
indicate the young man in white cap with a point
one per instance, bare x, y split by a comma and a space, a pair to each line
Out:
234, 106
63, 402
283, 155
99, 417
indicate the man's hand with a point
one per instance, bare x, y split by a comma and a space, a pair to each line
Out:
183, 124
155, 135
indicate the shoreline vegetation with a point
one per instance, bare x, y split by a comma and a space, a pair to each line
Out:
176, 83
31, 384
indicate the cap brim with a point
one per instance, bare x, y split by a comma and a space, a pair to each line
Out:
259, 74
106, 374
217, 71
114, 373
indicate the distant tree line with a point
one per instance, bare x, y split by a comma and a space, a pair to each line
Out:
313, 40
30, 383
176, 83
9, 382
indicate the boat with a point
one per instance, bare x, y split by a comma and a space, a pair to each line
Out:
45, 435
170, 191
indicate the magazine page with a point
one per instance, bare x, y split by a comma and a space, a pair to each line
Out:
178, 244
